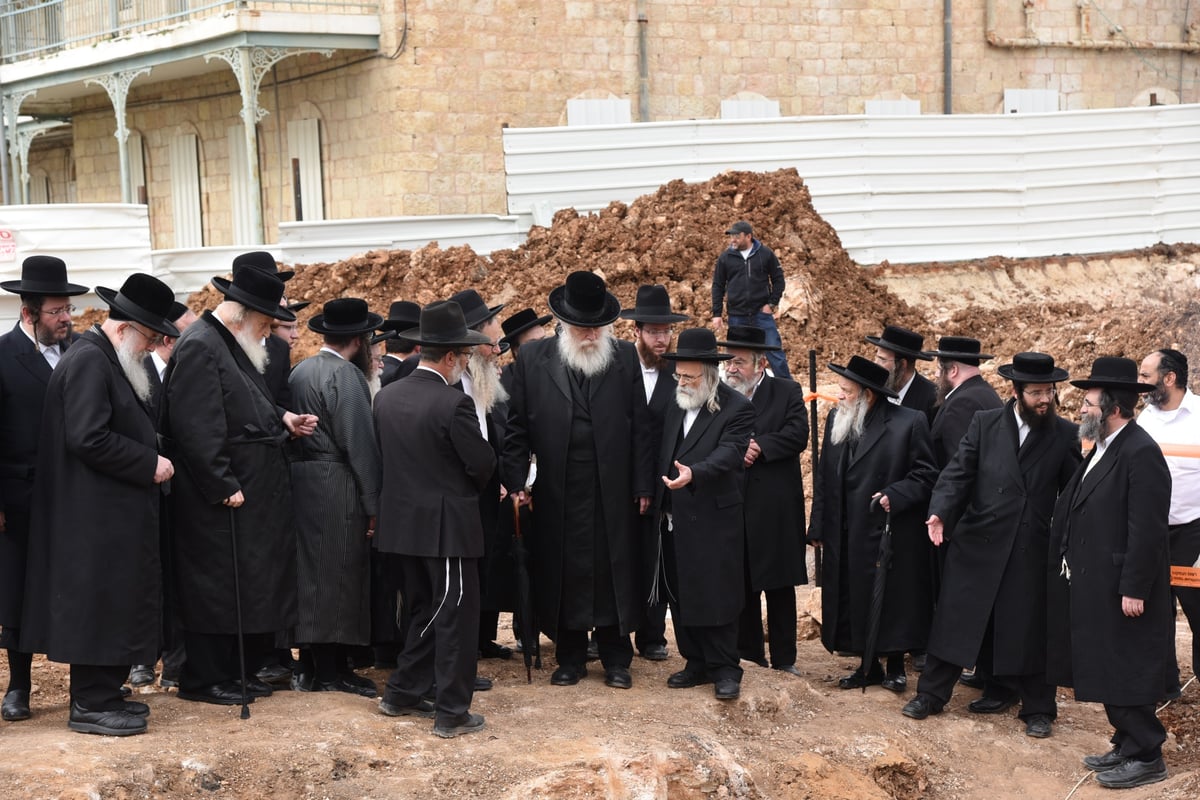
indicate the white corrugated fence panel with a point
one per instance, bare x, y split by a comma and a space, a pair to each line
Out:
336, 240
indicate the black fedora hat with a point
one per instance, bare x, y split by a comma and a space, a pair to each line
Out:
1032, 368
345, 316
747, 337
384, 336
520, 322
584, 301
143, 299
257, 290
475, 311
44, 275
901, 341
653, 306
402, 315
299, 305
866, 373
1118, 374
177, 310
697, 344
443, 325
261, 259
959, 348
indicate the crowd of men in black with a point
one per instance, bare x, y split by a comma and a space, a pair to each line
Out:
171, 488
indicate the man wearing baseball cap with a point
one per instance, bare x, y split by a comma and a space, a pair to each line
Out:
748, 280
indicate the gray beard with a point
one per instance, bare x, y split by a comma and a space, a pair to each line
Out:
135, 371
742, 387
374, 383
850, 421
1092, 429
485, 381
692, 399
590, 360
254, 349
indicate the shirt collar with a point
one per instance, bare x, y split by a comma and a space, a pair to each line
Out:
41, 348
328, 349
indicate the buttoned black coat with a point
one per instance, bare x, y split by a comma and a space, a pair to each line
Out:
775, 488
94, 578
1112, 529
893, 457
1002, 499
539, 421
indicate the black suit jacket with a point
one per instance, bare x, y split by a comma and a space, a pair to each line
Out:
279, 369
395, 368
155, 401
952, 419
921, 396
24, 374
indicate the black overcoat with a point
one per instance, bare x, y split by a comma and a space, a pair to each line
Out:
94, 579
707, 514
954, 415
1111, 527
1002, 499
775, 488
893, 457
225, 434
921, 396
539, 421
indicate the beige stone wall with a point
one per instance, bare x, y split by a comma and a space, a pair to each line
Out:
416, 130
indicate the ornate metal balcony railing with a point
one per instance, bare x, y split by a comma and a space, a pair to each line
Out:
35, 28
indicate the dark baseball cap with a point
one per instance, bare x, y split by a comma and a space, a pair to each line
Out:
739, 227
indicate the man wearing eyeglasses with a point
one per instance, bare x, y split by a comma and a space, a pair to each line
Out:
1000, 489
28, 355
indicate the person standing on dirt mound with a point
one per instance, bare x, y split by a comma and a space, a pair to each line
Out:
749, 281
94, 573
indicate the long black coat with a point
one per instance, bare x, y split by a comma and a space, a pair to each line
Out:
921, 396
225, 434
539, 421
279, 368
1112, 529
94, 580
395, 368
1002, 500
893, 457
952, 418
707, 514
775, 488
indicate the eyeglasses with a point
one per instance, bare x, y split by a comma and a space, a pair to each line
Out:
1088, 404
740, 363
154, 340
1041, 394
58, 312
658, 333
681, 378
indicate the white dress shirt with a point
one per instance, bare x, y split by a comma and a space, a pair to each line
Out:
51, 352
1101, 449
899, 398
1022, 426
480, 411
649, 379
1180, 426
160, 366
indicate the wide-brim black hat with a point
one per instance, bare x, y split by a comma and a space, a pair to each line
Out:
653, 307
475, 311
402, 315
261, 259
959, 348
901, 341
747, 337
345, 316
443, 325
518, 323
46, 276
697, 344
1032, 368
299, 305
143, 299
177, 310
584, 301
866, 373
257, 290
1118, 374
383, 337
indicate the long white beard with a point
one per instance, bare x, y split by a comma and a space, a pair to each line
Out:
850, 420
130, 359
254, 349
485, 381
591, 357
374, 384
690, 399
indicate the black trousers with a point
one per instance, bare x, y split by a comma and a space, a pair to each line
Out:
98, 688
570, 647
1037, 696
1137, 731
709, 649
442, 595
781, 626
1185, 549
212, 658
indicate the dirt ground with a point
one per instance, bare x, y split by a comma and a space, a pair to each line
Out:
787, 737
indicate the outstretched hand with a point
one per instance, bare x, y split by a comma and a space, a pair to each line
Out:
685, 477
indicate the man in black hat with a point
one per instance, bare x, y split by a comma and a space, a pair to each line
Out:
279, 357
699, 507
1111, 615
435, 464
877, 463
748, 279
335, 485
289, 330
961, 392
94, 577
653, 320
774, 503
402, 356
578, 402
232, 496
1000, 488
523, 326
898, 350
28, 355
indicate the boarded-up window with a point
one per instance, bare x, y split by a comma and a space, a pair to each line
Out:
185, 191
136, 158
240, 196
761, 108
39, 187
893, 108
1026, 101
304, 152
607, 111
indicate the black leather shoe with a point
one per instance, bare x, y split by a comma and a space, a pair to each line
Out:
494, 650
1038, 726
169, 681
340, 685
921, 707
137, 709
895, 683
856, 680
991, 705
568, 676
421, 708
686, 679
918, 662
359, 681
654, 652
254, 688
973, 680
16, 705
126, 691
105, 723
754, 659
141, 675
221, 694
593, 651
450, 729
727, 689
1100, 763
618, 678
790, 669
482, 684
275, 675
1133, 773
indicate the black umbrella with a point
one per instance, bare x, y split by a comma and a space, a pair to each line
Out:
814, 453
524, 619
882, 564
237, 605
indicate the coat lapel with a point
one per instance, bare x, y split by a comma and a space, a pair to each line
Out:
703, 420
874, 430
30, 357
1010, 452
557, 369
1093, 478
239, 355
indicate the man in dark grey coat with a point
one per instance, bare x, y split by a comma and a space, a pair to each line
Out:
1000, 489
94, 577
